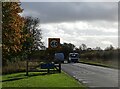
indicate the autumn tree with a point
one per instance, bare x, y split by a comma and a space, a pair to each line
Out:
33, 35
109, 48
83, 47
12, 23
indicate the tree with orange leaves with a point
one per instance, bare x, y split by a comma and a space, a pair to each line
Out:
12, 24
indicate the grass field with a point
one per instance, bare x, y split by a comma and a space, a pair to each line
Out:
109, 64
40, 80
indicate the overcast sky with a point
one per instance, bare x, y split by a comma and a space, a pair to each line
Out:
94, 24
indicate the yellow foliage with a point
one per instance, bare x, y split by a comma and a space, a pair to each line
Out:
12, 28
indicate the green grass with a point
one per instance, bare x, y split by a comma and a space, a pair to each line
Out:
0, 80
40, 80
109, 64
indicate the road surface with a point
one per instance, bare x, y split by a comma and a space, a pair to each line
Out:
92, 76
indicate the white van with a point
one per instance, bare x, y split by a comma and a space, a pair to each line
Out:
73, 57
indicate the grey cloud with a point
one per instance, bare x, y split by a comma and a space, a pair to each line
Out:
88, 32
52, 12
93, 32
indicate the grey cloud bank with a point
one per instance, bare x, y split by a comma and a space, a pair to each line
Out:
70, 1
52, 12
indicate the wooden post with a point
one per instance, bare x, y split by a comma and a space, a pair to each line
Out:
27, 67
48, 70
59, 67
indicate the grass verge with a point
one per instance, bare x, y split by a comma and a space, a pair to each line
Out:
40, 80
108, 64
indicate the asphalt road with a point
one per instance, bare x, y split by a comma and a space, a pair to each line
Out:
92, 76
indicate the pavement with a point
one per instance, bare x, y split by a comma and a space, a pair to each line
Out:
92, 76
